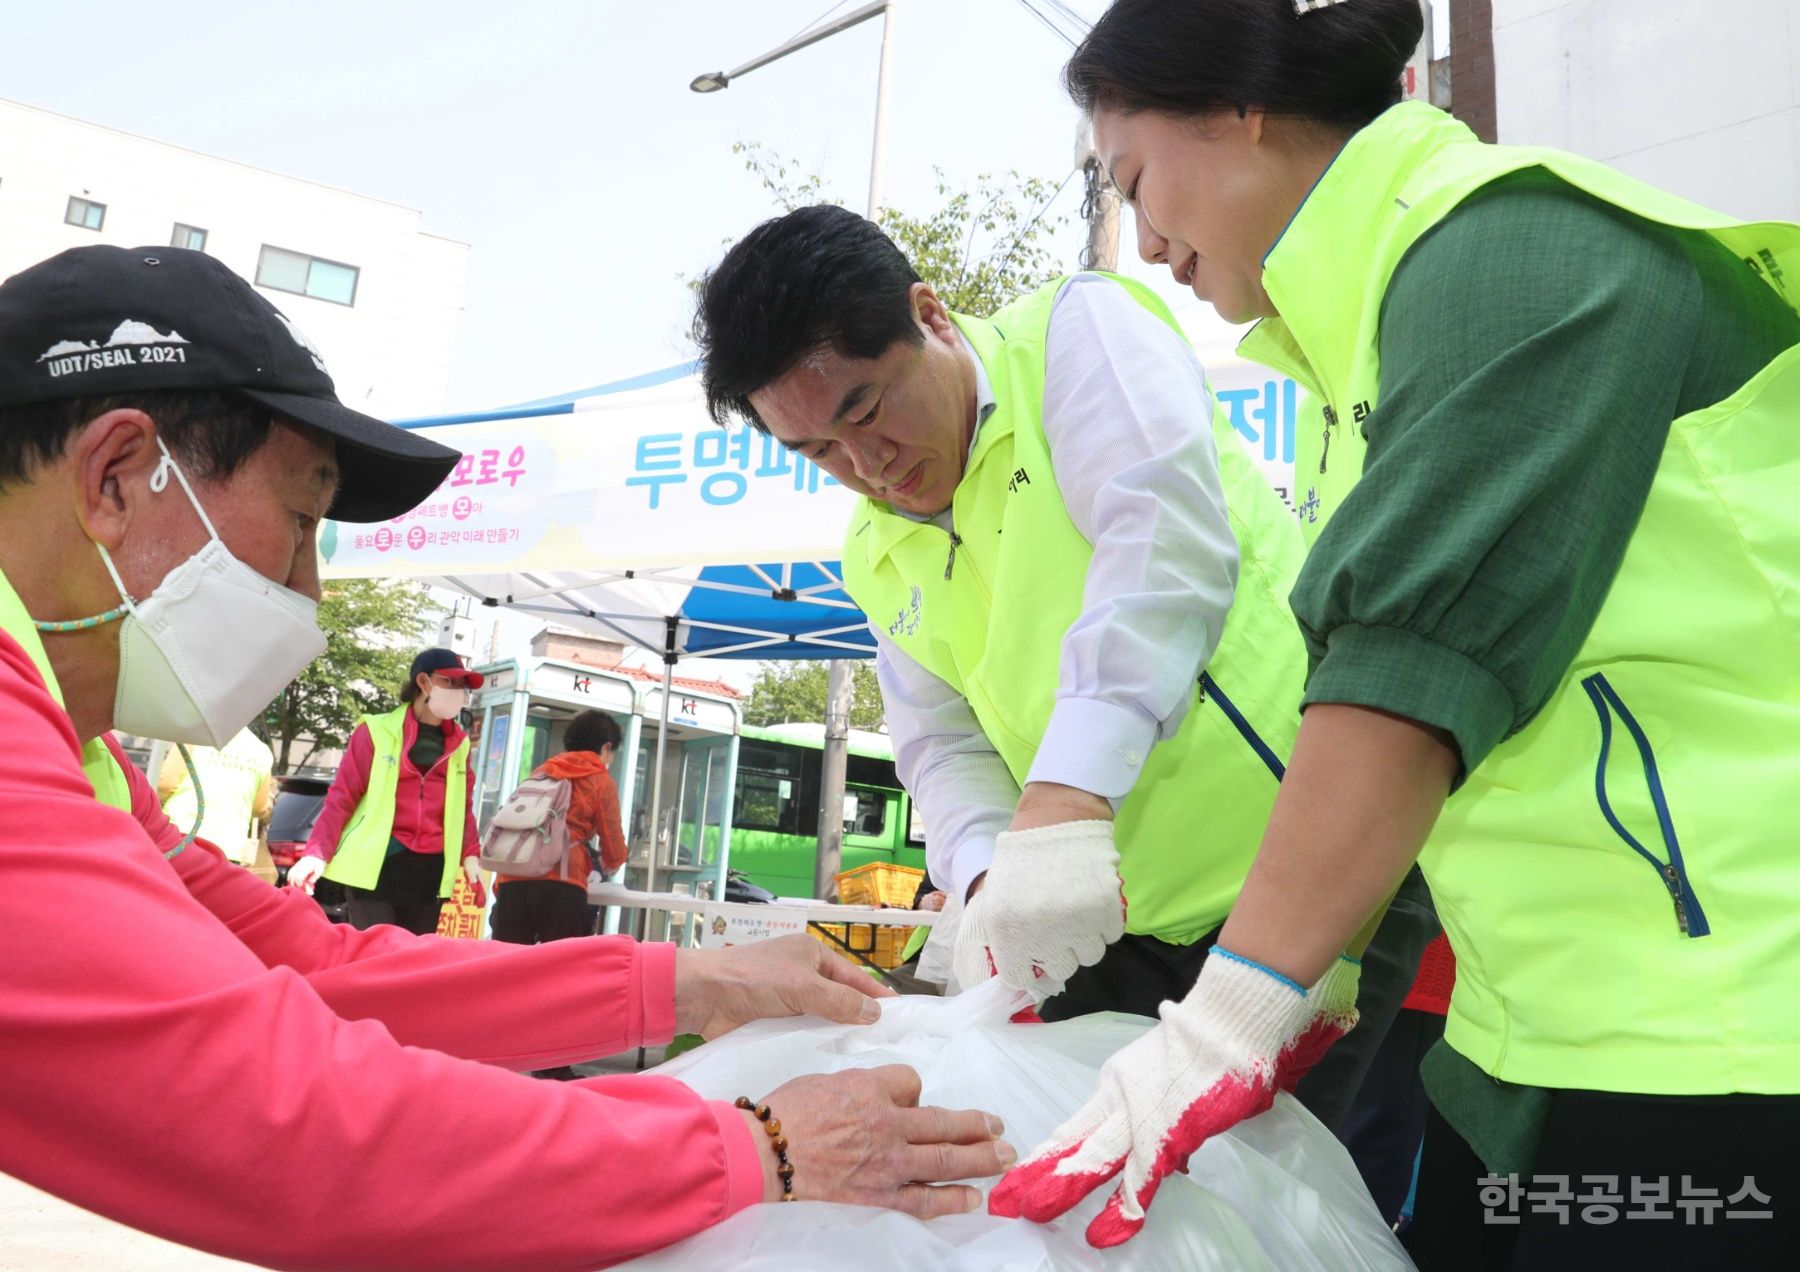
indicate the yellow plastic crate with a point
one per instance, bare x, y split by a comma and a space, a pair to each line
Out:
882, 946
880, 883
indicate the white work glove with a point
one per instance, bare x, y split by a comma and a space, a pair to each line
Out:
1052, 903
306, 872
1209, 1065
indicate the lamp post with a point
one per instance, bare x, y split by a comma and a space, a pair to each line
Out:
840, 685
715, 81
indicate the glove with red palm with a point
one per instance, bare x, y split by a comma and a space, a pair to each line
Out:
1333, 1002
1216, 1059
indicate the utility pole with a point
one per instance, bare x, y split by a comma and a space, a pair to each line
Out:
841, 679
840, 690
841, 682
1099, 205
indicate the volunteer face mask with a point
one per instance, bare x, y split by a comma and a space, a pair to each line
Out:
446, 703
211, 646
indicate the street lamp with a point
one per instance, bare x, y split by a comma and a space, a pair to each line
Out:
713, 81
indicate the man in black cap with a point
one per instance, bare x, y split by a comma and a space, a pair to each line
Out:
174, 1033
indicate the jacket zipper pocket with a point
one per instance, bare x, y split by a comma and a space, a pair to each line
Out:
1263, 750
1689, 916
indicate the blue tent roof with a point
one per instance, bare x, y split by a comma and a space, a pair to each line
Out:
765, 613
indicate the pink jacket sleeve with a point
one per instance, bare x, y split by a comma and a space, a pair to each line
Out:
539, 1005
131, 1015
345, 794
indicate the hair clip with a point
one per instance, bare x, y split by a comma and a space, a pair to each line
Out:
1304, 7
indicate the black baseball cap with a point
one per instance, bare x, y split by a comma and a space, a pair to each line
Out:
99, 321
446, 663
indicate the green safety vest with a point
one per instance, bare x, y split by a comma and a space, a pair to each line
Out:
992, 628
1618, 879
362, 847
101, 767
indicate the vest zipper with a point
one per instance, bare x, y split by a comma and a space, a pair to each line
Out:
1330, 423
1673, 882
950, 561
1264, 751
1689, 916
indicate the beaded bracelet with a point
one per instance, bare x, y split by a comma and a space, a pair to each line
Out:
777, 1141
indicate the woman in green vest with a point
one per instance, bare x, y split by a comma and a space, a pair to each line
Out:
1552, 611
398, 821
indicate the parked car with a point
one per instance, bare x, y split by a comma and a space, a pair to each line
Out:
297, 803
739, 888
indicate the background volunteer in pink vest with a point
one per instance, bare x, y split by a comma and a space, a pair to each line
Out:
402, 878
170, 1025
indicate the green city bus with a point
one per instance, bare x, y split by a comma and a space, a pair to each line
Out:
775, 815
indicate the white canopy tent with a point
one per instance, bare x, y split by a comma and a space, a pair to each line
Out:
625, 511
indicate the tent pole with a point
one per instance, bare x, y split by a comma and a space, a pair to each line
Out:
662, 746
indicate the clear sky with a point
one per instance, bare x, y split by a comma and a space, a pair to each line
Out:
560, 139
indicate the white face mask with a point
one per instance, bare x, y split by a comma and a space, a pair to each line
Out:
212, 645
446, 703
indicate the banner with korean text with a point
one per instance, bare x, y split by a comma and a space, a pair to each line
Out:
637, 480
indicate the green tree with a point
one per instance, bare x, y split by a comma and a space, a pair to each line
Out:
979, 249
786, 692
373, 628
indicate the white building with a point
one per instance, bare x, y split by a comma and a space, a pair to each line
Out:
380, 297
1702, 99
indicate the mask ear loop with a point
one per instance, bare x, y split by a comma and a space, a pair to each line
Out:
199, 804
159, 482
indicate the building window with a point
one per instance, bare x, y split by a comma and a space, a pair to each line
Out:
189, 237
305, 275
85, 213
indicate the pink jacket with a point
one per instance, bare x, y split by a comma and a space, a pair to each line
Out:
418, 800
194, 1053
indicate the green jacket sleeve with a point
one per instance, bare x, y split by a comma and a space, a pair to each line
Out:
1534, 347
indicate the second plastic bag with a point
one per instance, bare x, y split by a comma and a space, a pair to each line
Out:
1277, 1193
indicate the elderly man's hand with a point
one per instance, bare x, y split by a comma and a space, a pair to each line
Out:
718, 990
860, 1137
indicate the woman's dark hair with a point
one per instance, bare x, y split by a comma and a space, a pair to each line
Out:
819, 277
590, 731
1339, 67
410, 689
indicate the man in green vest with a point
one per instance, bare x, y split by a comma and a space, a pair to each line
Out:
1076, 581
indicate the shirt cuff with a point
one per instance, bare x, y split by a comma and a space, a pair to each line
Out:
973, 856
743, 1159
656, 991
1094, 746
1394, 670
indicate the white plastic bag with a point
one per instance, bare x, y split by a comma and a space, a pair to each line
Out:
1277, 1193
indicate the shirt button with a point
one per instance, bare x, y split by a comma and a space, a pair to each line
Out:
1132, 757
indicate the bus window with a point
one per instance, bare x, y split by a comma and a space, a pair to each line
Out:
915, 826
865, 811
769, 795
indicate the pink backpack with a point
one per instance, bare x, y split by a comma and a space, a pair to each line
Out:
529, 836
